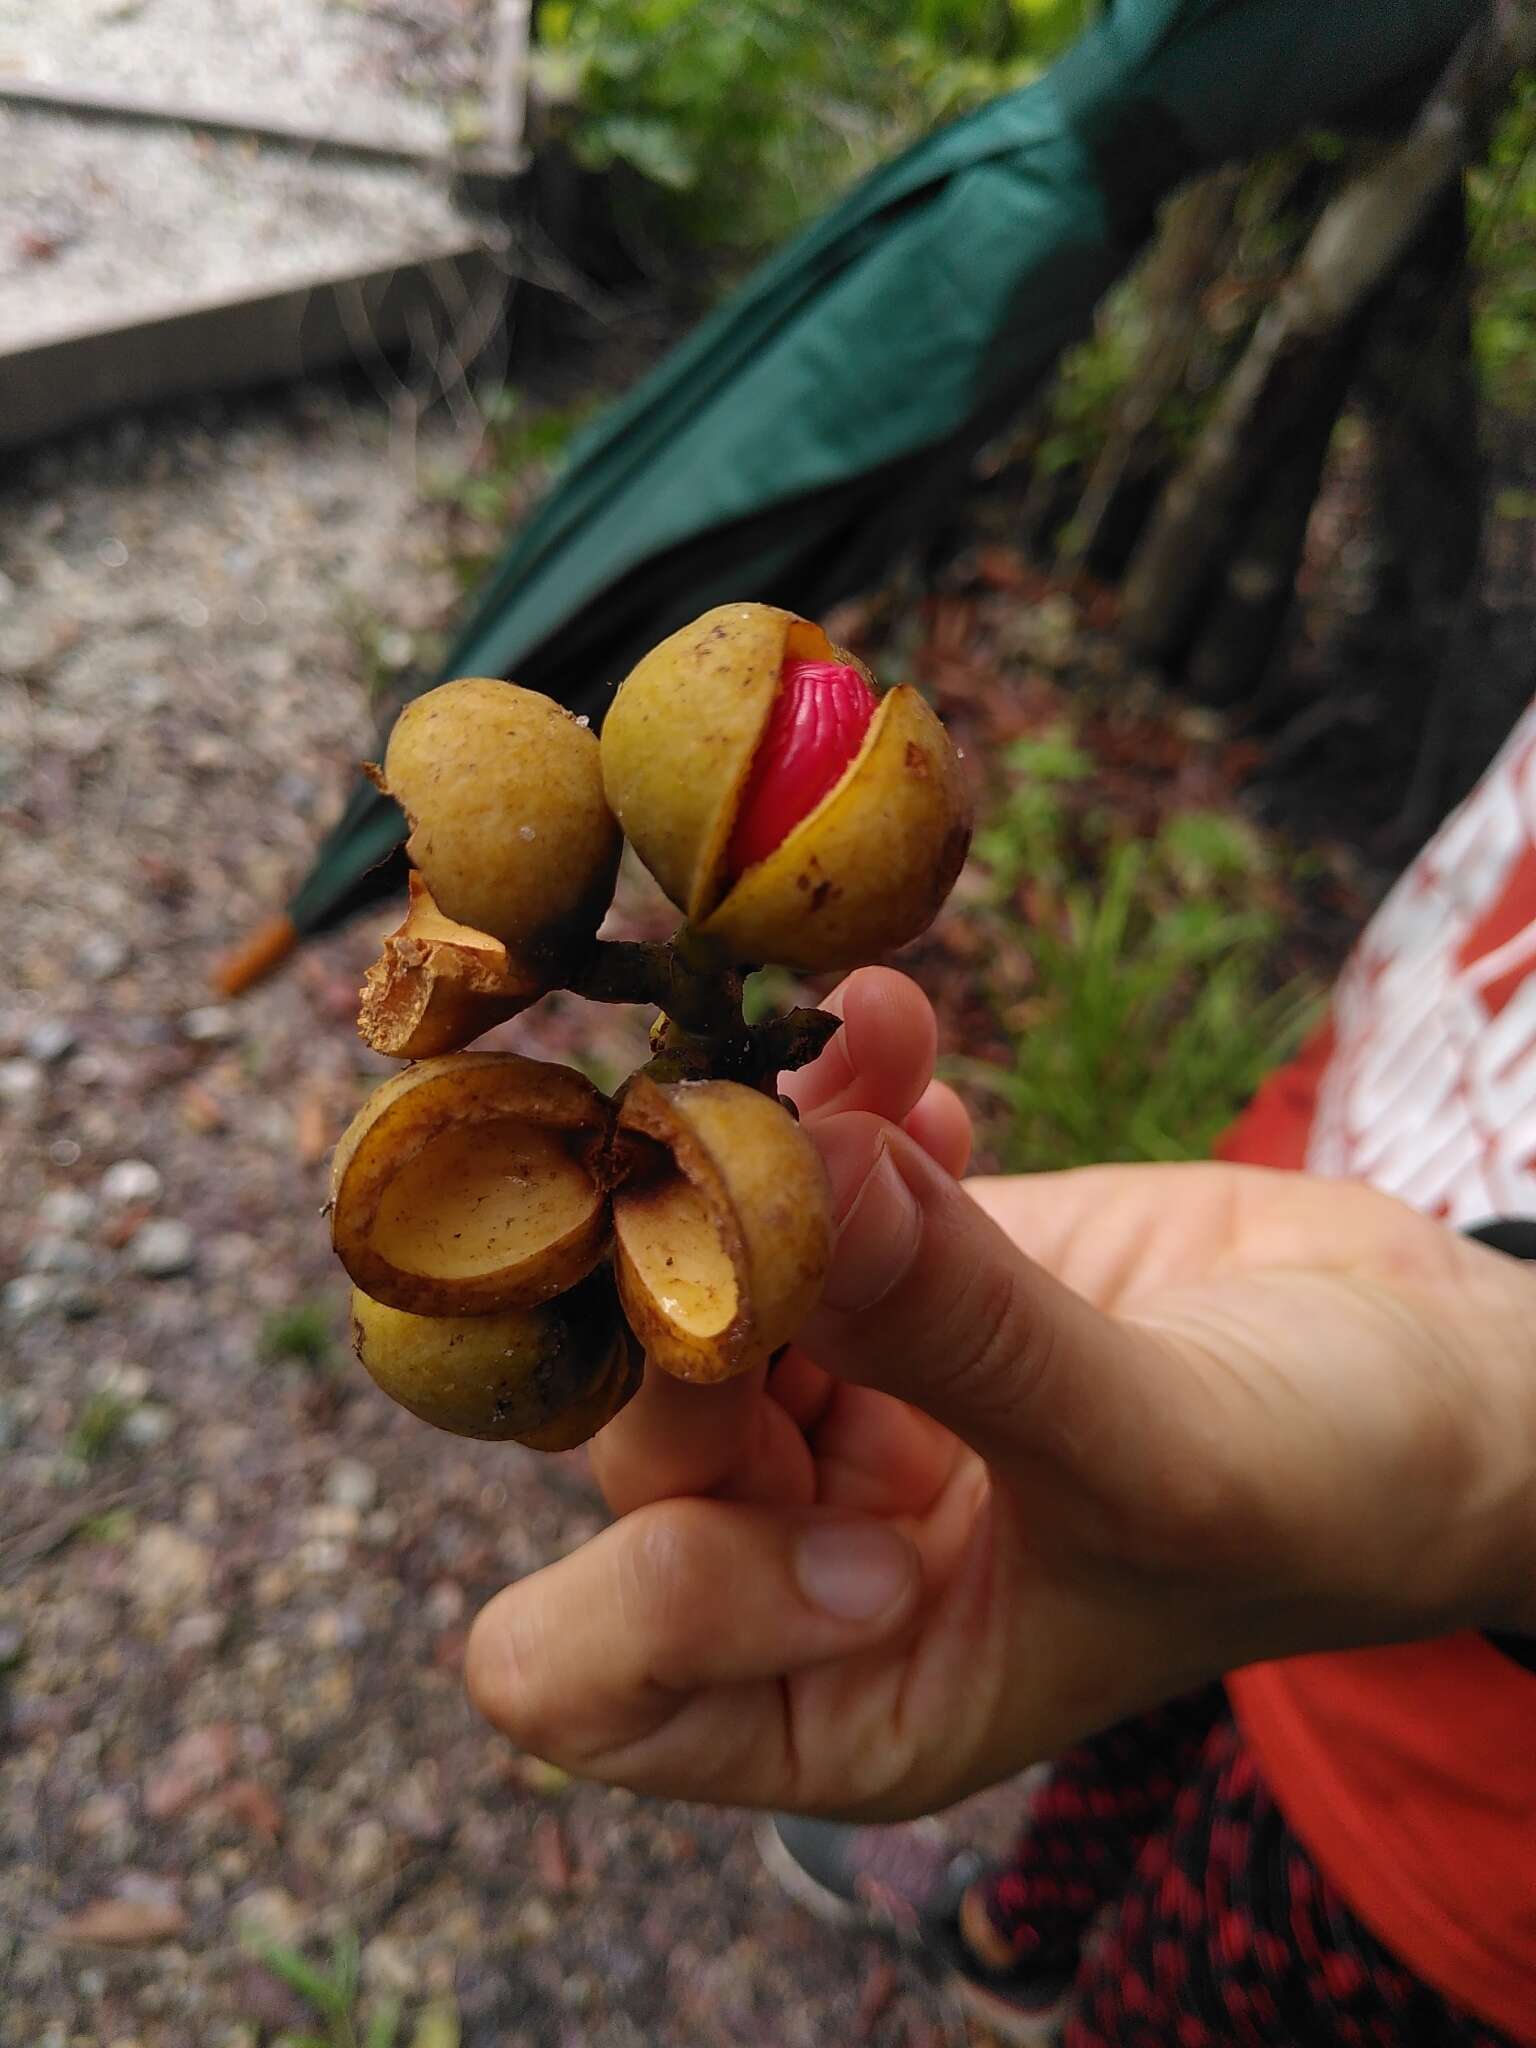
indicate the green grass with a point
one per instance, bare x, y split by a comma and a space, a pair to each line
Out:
304, 1333
98, 1426
348, 2020
1150, 1003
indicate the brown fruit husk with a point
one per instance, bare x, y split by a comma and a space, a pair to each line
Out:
509, 824
472, 1183
438, 985
722, 1225
549, 1376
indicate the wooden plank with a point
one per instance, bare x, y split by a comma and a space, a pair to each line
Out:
506, 92
87, 102
68, 379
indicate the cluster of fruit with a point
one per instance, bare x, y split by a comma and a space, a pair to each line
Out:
517, 1240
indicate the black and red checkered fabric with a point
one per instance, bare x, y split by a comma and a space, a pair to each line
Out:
1157, 1867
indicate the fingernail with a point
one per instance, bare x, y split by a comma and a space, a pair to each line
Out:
881, 1224
854, 1571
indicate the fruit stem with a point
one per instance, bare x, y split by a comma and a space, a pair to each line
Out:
702, 993
700, 1033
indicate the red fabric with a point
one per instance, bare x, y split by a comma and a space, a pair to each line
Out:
1409, 1773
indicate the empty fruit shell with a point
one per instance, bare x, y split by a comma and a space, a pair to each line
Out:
722, 1225
471, 1184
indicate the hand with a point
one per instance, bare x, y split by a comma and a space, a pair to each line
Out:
1092, 1438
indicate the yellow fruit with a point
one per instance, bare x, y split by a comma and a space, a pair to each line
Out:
548, 1376
471, 1184
509, 824
862, 873
722, 1225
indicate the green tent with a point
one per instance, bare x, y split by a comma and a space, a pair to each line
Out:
832, 406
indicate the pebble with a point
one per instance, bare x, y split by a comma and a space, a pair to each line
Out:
51, 1040
148, 1426
21, 1082
67, 1210
30, 1295
387, 1966
203, 1630
102, 956
170, 1570
130, 1181
12, 1643
274, 1913
330, 1520
322, 1556
210, 1024
352, 1484
364, 1855
162, 1249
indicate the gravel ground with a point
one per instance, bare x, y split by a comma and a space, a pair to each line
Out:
234, 1585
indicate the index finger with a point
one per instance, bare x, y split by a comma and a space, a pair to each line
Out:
881, 1060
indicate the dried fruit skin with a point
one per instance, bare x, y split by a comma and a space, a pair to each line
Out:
509, 824
471, 1184
534, 1374
723, 1229
438, 985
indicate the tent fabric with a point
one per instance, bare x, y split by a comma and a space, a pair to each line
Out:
831, 407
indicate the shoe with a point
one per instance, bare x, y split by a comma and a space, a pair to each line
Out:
908, 1882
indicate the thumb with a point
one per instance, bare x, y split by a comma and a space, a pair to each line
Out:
656, 1655
929, 1300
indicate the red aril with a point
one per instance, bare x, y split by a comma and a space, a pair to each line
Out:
815, 728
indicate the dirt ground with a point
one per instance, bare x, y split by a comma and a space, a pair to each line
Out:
234, 1586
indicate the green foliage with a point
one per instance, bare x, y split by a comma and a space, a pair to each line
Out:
1502, 198
332, 1993
305, 1333
767, 992
1148, 1013
753, 113
98, 1426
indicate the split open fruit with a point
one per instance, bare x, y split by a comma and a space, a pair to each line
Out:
861, 872
478, 1198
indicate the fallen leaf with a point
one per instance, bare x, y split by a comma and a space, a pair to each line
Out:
252, 1805
312, 1126
437, 2027
124, 1923
201, 1110
125, 1225
193, 1765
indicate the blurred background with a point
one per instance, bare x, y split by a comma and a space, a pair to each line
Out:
303, 306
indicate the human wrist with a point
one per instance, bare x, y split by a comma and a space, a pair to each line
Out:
1509, 1591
